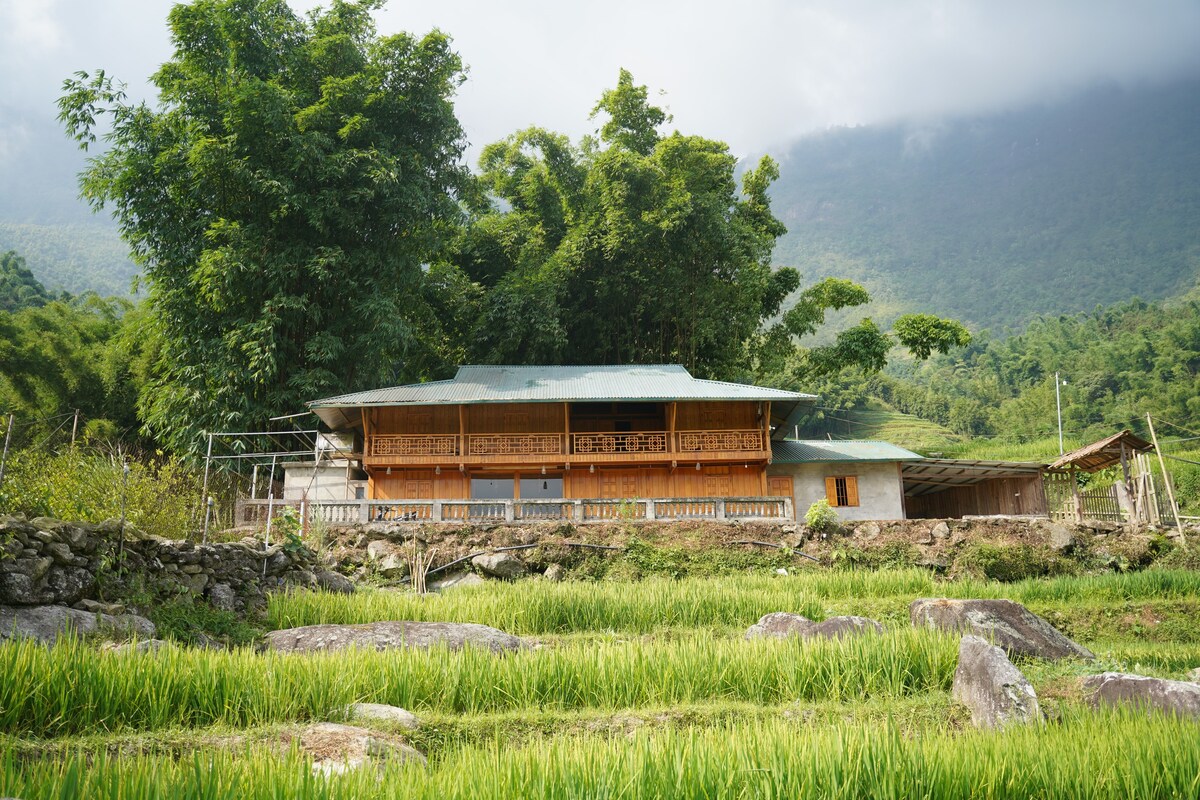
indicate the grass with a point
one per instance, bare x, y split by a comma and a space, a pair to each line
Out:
1086, 755
72, 688
726, 602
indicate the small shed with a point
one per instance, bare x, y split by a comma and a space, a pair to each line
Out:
859, 479
1135, 496
952, 488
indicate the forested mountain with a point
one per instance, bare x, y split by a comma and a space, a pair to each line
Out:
996, 220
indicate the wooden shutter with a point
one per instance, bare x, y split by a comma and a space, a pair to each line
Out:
851, 490
831, 491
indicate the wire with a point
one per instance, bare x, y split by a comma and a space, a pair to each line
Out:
1176, 425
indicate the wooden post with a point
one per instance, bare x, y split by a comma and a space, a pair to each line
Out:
74, 427
672, 409
204, 490
1077, 499
462, 430
1167, 480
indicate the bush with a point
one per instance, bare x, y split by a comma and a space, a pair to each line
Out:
1007, 562
821, 518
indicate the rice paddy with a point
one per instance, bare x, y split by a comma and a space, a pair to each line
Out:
631, 690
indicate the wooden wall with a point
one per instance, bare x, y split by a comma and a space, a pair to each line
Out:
419, 484
641, 482
717, 416
1016, 496
486, 418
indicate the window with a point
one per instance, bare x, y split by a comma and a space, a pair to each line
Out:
541, 487
489, 488
841, 490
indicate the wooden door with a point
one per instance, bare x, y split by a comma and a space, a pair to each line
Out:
781, 486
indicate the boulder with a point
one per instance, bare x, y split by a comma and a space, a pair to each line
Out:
221, 597
454, 580
778, 625
838, 627
1059, 537
335, 748
331, 581
377, 712
387, 560
555, 572
1117, 688
993, 689
391, 635
940, 531
1012, 626
49, 623
869, 531
1194, 675
500, 565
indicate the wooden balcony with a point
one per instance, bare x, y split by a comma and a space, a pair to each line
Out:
486, 449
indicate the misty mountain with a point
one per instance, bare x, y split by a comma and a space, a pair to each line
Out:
999, 219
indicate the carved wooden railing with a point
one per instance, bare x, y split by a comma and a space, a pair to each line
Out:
412, 445
519, 444
482, 445
634, 442
716, 441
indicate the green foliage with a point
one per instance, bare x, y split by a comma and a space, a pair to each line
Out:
281, 203
86, 485
635, 247
18, 288
1007, 562
186, 620
88, 353
75, 257
821, 518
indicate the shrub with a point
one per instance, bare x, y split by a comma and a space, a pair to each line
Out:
1007, 562
821, 518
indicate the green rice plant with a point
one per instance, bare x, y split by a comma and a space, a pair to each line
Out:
722, 602
1108, 755
72, 688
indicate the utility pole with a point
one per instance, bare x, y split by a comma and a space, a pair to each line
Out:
7, 439
1058, 405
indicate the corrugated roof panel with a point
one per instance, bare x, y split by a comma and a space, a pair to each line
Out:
485, 384
815, 451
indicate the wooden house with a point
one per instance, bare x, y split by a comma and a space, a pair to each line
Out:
545, 435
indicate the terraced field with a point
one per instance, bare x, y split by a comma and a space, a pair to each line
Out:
631, 690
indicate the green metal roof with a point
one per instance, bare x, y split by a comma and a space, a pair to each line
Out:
554, 384
817, 451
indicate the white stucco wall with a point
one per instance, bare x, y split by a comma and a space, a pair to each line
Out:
329, 482
880, 491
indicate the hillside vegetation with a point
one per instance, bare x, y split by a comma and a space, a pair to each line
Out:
996, 220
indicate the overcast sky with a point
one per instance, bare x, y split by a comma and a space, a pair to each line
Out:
755, 73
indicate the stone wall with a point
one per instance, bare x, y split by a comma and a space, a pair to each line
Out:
50, 562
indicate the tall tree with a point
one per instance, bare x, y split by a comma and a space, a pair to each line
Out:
18, 288
639, 247
281, 199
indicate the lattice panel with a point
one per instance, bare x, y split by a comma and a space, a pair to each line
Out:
620, 442
714, 441
413, 445
522, 444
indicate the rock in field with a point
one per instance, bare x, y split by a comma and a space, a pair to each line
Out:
1118, 688
377, 712
500, 565
1012, 626
392, 635
330, 581
455, 580
838, 627
555, 572
335, 749
778, 625
993, 689
49, 623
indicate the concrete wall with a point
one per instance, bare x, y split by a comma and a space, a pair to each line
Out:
329, 483
880, 492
